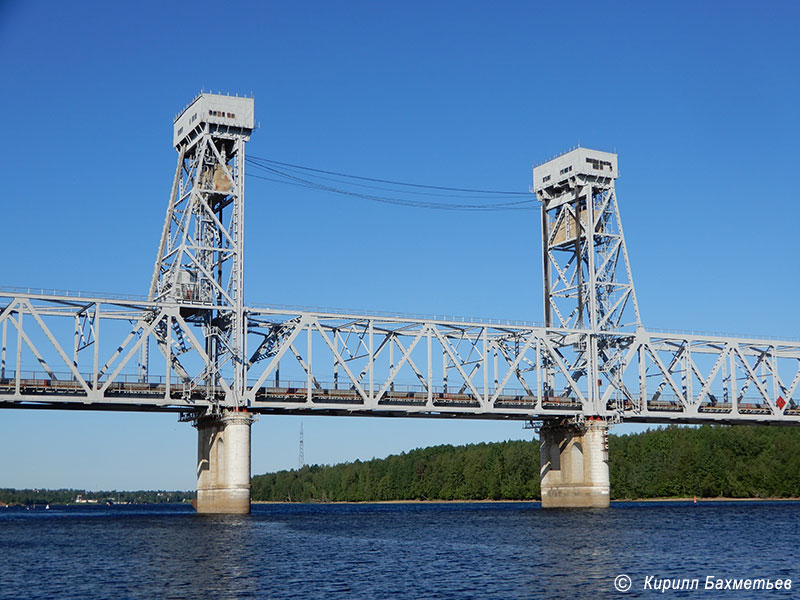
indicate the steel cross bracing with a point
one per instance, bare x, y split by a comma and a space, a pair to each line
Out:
587, 274
82, 352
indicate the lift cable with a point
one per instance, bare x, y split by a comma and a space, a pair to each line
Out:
294, 180
304, 172
297, 175
419, 185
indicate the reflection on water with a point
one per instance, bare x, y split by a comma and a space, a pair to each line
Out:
405, 551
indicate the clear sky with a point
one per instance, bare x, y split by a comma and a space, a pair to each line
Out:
698, 98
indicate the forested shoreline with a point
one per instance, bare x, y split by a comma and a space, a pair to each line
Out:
29, 497
672, 462
707, 462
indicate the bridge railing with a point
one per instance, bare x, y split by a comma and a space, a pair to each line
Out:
67, 377
70, 294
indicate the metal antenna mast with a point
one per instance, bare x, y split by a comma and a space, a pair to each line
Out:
199, 264
302, 458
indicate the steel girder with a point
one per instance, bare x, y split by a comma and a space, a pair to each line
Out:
84, 352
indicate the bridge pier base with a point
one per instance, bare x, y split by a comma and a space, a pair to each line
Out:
574, 465
223, 463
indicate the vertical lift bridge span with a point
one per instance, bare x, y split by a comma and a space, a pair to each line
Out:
192, 347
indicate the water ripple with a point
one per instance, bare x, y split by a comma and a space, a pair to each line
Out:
437, 551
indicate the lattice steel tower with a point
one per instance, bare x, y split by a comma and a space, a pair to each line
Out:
200, 257
587, 275
301, 459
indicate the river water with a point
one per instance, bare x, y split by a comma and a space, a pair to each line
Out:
398, 551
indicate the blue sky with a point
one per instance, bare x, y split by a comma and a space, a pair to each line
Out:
700, 102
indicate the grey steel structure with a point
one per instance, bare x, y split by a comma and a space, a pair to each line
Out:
193, 347
201, 252
87, 352
591, 357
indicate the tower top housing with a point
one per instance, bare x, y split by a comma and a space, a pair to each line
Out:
234, 112
580, 161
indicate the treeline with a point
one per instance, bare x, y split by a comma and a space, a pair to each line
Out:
474, 472
69, 496
708, 461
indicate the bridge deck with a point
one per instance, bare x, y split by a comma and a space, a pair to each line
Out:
156, 397
86, 348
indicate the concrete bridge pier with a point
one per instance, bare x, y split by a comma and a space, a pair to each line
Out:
223, 463
574, 464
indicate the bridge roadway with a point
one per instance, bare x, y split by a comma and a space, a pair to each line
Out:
292, 399
466, 368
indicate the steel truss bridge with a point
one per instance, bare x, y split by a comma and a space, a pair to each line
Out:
335, 363
191, 346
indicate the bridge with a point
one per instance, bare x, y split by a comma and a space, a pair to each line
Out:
192, 347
